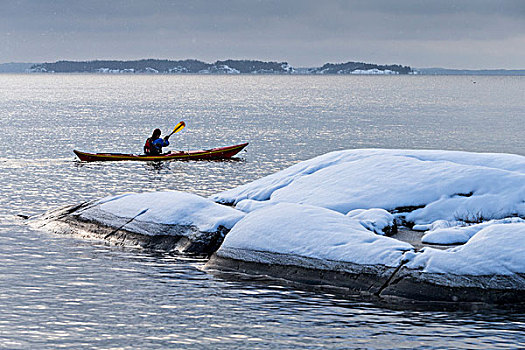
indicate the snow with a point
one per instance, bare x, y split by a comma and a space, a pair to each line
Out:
249, 205
178, 69
313, 232
287, 68
374, 71
438, 224
220, 69
375, 220
107, 70
447, 233
114, 71
496, 249
446, 185
169, 207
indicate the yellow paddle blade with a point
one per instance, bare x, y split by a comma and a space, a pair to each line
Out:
178, 127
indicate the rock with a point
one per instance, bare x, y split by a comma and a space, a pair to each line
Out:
310, 245
168, 221
367, 279
411, 284
316, 246
388, 284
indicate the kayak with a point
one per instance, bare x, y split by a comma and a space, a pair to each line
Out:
214, 153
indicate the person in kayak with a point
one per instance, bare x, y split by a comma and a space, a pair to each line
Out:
154, 144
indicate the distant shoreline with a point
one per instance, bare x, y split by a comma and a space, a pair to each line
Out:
191, 66
473, 73
236, 67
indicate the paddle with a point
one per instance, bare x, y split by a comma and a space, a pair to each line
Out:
178, 128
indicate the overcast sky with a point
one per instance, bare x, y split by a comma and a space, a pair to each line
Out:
473, 34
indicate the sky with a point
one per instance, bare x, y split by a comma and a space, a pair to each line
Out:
469, 34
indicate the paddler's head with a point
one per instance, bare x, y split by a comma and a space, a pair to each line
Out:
156, 134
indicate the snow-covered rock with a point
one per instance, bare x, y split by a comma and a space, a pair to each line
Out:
168, 208
296, 228
448, 233
220, 69
114, 71
167, 220
178, 69
291, 239
322, 222
490, 268
496, 249
376, 220
314, 245
287, 68
314, 232
434, 185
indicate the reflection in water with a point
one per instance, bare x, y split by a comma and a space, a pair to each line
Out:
157, 166
165, 165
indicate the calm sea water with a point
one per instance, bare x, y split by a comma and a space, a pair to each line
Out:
63, 292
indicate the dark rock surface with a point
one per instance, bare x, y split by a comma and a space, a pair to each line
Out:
181, 239
360, 278
421, 286
399, 285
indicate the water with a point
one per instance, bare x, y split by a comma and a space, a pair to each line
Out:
62, 292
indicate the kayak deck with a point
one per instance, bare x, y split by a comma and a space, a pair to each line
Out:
210, 154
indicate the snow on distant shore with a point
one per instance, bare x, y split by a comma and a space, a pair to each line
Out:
374, 71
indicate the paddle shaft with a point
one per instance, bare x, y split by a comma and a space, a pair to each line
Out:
177, 128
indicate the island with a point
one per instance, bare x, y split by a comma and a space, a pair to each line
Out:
191, 66
417, 226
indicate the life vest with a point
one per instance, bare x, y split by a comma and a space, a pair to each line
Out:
149, 148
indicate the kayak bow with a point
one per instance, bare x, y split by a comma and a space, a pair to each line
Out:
214, 153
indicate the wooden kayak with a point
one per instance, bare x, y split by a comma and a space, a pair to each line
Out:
214, 153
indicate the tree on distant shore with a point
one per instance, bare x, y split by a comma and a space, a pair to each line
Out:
196, 66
